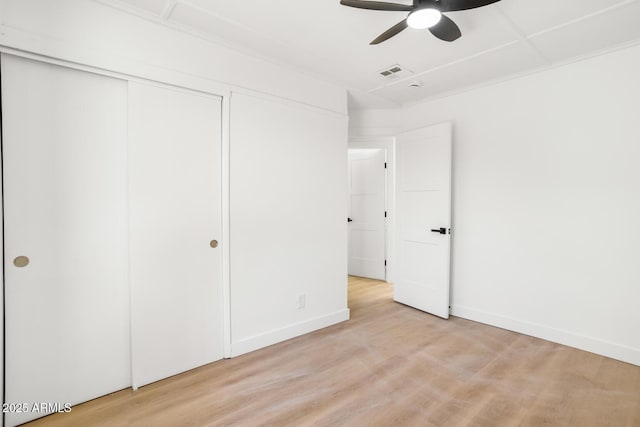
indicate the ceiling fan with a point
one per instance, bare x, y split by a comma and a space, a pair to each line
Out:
422, 14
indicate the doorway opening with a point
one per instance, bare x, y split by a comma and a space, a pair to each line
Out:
367, 213
416, 219
371, 207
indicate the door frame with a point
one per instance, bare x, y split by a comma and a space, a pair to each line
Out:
388, 144
175, 81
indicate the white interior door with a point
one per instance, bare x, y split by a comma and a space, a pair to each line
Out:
367, 217
67, 337
423, 219
175, 217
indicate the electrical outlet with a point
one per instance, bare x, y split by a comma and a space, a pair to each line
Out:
301, 301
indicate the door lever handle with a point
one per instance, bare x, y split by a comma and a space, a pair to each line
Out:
349, 220
440, 230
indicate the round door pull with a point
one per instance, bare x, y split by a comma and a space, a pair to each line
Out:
214, 244
21, 261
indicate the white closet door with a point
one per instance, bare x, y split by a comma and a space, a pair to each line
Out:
67, 337
175, 214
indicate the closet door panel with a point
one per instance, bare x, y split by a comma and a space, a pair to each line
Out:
175, 214
67, 337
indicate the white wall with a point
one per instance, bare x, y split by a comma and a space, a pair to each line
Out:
366, 125
547, 202
90, 33
288, 221
309, 155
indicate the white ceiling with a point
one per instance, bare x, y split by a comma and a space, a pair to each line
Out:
332, 41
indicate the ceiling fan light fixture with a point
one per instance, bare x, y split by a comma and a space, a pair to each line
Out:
424, 18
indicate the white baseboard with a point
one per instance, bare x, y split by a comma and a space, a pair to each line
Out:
278, 335
593, 345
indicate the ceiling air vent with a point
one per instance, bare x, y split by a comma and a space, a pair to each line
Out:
394, 71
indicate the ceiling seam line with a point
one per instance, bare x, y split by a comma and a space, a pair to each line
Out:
523, 37
582, 18
444, 66
169, 8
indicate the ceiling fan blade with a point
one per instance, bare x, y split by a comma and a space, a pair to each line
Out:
391, 32
446, 30
376, 5
453, 5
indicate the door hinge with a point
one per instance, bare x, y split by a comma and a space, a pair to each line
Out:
385, 214
385, 165
385, 262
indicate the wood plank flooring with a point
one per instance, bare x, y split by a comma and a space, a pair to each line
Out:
390, 365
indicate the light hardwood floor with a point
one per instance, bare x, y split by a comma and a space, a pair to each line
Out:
390, 365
